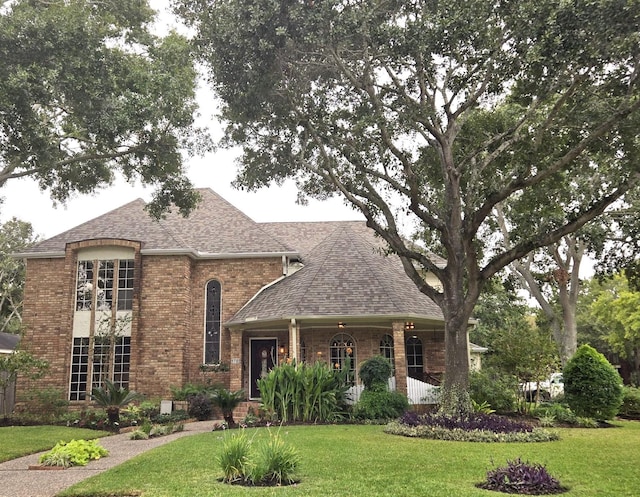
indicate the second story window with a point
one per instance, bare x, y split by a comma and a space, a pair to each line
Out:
97, 286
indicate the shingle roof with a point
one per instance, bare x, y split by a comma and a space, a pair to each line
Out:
214, 227
344, 275
8, 342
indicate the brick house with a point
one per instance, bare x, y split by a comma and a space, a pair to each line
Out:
155, 304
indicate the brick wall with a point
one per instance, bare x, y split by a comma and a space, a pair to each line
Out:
167, 338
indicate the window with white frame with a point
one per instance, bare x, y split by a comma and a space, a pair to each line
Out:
101, 346
212, 323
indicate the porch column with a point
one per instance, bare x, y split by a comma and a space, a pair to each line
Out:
400, 357
294, 340
235, 368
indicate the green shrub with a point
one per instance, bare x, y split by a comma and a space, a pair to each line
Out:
227, 401
49, 404
630, 403
380, 405
494, 388
299, 392
592, 386
73, 453
272, 462
234, 457
275, 462
375, 370
200, 407
139, 435
188, 390
559, 412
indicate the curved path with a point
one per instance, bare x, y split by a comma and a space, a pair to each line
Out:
17, 480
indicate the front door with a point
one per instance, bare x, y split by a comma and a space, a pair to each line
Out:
263, 352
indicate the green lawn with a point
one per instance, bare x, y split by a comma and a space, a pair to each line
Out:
17, 441
348, 460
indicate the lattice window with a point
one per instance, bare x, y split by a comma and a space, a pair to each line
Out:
104, 291
79, 368
212, 323
125, 284
122, 362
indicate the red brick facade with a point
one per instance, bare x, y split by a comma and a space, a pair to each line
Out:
167, 331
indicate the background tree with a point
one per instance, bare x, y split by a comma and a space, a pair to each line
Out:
87, 91
432, 114
615, 310
15, 236
20, 363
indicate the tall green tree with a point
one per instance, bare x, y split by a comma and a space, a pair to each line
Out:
434, 114
616, 311
15, 236
87, 91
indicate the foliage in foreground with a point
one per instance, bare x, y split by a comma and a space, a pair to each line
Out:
630, 403
73, 453
592, 386
470, 427
273, 462
519, 477
302, 392
362, 461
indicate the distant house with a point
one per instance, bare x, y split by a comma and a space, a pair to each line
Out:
8, 344
217, 296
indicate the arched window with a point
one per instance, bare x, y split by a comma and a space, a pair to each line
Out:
386, 349
342, 351
212, 323
415, 359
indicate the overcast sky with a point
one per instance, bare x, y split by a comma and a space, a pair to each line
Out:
23, 199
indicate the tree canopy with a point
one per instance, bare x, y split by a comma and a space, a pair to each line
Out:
433, 115
15, 236
87, 91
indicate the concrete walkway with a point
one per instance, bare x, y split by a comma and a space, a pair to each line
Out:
17, 480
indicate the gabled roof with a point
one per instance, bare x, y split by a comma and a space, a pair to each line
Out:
214, 228
346, 274
8, 342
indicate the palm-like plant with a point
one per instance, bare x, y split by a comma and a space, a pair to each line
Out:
227, 401
112, 398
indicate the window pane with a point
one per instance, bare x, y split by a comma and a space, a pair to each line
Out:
125, 285
212, 323
84, 288
104, 292
79, 361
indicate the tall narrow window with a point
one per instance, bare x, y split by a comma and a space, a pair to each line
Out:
212, 323
125, 285
104, 293
79, 369
342, 350
415, 359
84, 286
386, 349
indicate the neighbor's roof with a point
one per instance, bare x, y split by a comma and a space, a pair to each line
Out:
345, 274
214, 228
8, 342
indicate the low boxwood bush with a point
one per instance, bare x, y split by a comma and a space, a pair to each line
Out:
73, 453
380, 405
522, 478
630, 408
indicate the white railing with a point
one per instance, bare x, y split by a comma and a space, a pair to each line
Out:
418, 392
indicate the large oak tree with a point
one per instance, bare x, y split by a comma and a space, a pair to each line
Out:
87, 91
434, 113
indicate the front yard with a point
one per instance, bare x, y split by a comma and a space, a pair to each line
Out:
356, 460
